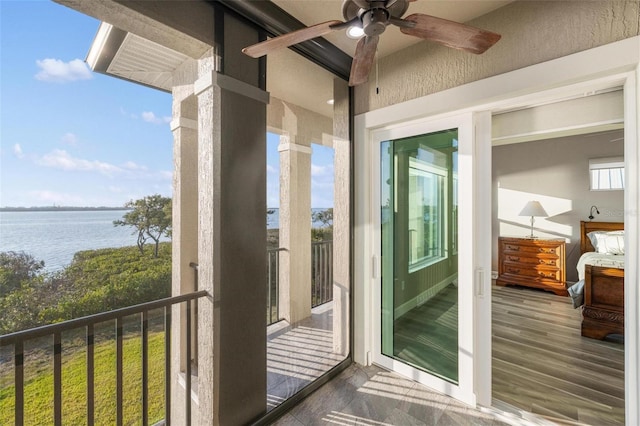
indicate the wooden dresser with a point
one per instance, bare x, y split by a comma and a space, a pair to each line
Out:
538, 263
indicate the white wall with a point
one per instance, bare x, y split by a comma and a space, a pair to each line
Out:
554, 172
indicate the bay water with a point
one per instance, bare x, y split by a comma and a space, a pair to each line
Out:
55, 236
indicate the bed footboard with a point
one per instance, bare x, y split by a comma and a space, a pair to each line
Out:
603, 310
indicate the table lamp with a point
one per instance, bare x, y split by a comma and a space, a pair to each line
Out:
533, 209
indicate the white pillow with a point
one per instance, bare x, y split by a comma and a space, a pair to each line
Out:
610, 242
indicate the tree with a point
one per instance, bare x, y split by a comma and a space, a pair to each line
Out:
150, 217
16, 268
269, 213
325, 217
325, 231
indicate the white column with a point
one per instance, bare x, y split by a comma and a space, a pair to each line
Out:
231, 250
184, 237
341, 220
295, 230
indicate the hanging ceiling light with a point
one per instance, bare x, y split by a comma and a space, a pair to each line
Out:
355, 32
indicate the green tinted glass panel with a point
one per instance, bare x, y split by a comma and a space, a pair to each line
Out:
419, 252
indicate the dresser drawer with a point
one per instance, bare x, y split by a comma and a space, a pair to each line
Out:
525, 271
528, 250
529, 260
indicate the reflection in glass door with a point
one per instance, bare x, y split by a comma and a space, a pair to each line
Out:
419, 209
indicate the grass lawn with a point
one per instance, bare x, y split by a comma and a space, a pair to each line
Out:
38, 391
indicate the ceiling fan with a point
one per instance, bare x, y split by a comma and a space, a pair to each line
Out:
373, 16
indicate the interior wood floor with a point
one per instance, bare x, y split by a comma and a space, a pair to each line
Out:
427, 336
543, 365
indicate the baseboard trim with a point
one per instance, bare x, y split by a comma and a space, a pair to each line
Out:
423, 297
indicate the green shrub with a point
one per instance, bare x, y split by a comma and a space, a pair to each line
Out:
95, 281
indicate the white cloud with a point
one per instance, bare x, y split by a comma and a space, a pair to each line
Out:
271, 169
17, 151
130, 165
166, 175
60, 159
322, 200
150, 117
70, 139
57, 71
322, 185
317, 170
127, 114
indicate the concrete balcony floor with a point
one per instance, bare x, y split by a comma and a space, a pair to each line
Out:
359, 395
375, 397
298, 355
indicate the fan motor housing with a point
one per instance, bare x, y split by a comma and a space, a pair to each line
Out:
374, 21
376, 12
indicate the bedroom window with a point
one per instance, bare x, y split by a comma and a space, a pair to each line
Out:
606, 174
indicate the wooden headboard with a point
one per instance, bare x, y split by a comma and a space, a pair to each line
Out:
586, 227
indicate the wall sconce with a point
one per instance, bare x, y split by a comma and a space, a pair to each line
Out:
533, 209
591, 212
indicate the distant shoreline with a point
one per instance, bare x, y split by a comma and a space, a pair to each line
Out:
59, 209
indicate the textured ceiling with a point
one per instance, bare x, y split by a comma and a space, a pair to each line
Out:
308, 89
290, 77
311, 12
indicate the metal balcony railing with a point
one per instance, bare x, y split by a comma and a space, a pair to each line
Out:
321, 272
90, 324
273, 284
321, 278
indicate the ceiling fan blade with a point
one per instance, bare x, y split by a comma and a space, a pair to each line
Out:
289, 39
449, 33
363, 60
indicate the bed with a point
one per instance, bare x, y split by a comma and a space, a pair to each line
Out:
601, 272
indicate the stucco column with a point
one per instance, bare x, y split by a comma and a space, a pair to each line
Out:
184, 232
341, 219
231, 250
295, 230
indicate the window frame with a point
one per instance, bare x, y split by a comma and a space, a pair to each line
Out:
441, 175
603, 170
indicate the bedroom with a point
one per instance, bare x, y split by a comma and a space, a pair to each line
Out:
552, 167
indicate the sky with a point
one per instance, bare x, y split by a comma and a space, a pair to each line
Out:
71, 137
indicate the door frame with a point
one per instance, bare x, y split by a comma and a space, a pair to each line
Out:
609, 66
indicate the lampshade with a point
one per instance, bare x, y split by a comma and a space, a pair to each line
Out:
533, 208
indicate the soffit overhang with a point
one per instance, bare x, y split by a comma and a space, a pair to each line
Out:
124, 55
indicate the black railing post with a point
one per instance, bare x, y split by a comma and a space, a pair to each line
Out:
57, 378
187, 373
18, 357
321, 272
119, 367
90, 376
145, 368
167, 365
273, 285
269, 284
277, 285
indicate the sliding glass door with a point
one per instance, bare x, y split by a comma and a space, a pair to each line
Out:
429, 280
420, 269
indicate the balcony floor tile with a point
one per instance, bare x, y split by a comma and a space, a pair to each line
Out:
375, 397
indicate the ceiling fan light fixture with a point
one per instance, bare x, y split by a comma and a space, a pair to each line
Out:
355, 32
